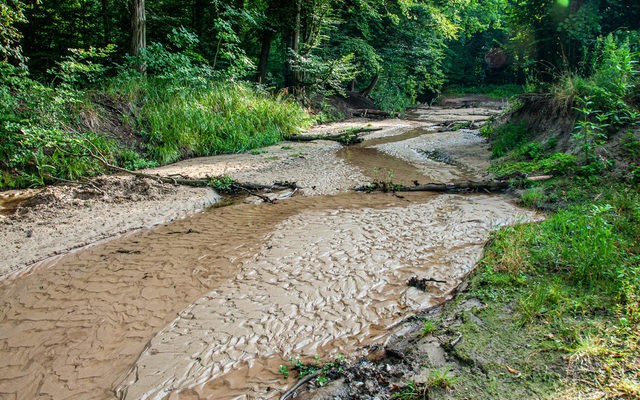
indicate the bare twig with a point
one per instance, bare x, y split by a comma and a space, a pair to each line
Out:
456, 340
301, 382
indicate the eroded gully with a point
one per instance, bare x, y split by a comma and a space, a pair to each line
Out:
209, 306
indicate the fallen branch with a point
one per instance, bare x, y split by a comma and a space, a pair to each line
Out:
301, 382
456, 340
368, 113
223, 184
473, 186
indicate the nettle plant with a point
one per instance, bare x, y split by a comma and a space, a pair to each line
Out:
590, 131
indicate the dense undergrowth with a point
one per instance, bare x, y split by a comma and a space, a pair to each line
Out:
179, 109
574, 279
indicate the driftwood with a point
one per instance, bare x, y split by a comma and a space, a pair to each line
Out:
464, 186
421, 284
369, 113
347, 138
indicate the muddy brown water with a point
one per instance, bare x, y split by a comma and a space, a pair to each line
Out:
209, 306
380, 166
9, 205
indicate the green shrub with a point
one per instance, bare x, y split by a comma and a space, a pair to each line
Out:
37, 141
508, 137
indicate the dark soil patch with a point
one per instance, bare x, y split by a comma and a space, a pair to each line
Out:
117, 119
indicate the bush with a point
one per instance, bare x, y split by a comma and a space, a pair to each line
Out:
37, 143
507, 137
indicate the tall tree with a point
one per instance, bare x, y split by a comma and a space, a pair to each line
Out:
138, 30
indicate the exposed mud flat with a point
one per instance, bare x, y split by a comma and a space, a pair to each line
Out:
61, 218
322, 282
250, 284
295, 276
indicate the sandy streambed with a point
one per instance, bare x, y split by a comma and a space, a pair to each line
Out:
323, 281
183, 307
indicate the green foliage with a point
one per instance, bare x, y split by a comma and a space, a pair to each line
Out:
410, 391
428, 327
533, 197
36, 144
323, 77
323, 370
507, 137
82, 67
213, 119
590, 134
614, 79
591, 246
11, 14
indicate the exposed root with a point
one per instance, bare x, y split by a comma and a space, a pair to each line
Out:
301, 382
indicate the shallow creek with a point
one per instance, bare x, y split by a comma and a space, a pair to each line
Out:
209, 306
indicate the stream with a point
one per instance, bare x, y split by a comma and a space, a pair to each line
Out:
209, 306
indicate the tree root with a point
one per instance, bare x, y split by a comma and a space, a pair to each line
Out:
301, 382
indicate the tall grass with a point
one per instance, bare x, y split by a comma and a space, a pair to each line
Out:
590, 245
215, 118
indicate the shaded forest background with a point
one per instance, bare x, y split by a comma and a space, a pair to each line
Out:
151, 82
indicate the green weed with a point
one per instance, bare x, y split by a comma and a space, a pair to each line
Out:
533, 198
428, 327
258, 151
410, 391
507, 137
441, 378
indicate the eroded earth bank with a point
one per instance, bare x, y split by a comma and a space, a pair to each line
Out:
209, 305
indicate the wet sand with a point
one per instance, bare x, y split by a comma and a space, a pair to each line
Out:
174, 308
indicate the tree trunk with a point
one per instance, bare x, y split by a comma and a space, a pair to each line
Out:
369, 88
106, 23
138, 30
198, 15
291, 78
267, 38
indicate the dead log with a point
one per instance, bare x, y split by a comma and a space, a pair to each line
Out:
465, 186
369, 113
222, 184
348, 137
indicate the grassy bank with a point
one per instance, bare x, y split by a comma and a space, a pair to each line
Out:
49, 134
571, 284
560, 314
